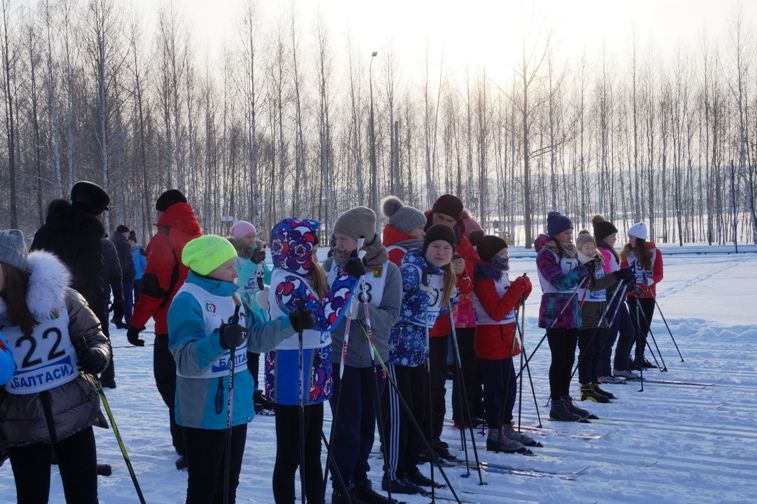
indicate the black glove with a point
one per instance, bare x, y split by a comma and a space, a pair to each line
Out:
132, 334
118, 310
624, 275
302, 320
592, 264
91, 361
355, 266
258, 256
232, 335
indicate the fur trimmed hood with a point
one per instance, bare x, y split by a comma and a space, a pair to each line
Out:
48, 280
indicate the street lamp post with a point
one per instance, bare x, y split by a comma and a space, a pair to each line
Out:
374, 170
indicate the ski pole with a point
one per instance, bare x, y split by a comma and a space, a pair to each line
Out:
380, 416
648, 323
668, 328
599, 324
464, 398
342, 364
230, 408
430, 403
301, 365
569, 301
519, 327
120, 441
330, 461
575, 291
434, 459
638, 342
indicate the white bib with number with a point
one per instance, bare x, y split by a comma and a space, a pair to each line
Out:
45, 359
215, 311
482, 317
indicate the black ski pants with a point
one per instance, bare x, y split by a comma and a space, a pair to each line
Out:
206, 459
562, 345
77, 462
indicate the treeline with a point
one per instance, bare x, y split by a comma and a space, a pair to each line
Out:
281, 126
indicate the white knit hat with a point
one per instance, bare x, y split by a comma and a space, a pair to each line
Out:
638, 230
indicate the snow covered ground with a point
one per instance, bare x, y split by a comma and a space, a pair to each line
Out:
670, 443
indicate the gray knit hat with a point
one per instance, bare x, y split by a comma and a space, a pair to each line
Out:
13, 248
356, 222
404, 218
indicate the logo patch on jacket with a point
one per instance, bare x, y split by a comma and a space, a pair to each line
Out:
210, 307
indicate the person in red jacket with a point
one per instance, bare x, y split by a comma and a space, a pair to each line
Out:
645, 259
404, 230
465, 326
447, 210
164, 275
495, 300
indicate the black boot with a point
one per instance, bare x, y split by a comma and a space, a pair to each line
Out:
589, 393
579, 411
561, 412
600, 391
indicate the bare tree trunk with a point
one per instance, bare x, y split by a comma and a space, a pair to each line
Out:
10, 119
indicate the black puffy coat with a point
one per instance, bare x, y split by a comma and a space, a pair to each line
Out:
74, 236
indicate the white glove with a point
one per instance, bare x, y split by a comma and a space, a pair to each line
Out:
261, 297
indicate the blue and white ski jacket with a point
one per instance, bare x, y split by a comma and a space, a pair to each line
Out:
293, 243
201, 305
422, 291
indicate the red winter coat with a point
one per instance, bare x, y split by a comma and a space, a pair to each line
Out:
493, 341
394, 236
643, 290
165, 272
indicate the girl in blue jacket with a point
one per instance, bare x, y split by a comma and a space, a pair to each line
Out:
206, 321
428, 286
299, 281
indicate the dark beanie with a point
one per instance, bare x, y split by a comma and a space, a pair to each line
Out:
602, 228
89, 197
557, 223
448, 205
439, 232
488, 246
168, 198
122, 229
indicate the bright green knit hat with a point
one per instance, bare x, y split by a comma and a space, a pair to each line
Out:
204, 254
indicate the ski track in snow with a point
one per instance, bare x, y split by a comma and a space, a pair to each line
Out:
670, 443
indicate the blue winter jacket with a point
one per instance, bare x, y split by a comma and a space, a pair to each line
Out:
201, 402
140, 262
7, 366
407, 341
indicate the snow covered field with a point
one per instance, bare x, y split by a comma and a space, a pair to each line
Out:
670, 443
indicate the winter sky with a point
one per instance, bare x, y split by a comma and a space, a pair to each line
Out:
472, 33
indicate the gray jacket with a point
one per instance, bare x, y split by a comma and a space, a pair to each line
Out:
74, 405
383, 318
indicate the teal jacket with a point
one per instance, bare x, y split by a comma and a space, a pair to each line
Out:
247, 284
201, 402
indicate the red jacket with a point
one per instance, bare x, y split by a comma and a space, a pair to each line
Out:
643, 289
497, 341
392, 236
165, 272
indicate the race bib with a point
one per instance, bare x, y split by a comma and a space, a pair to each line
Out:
44, 359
